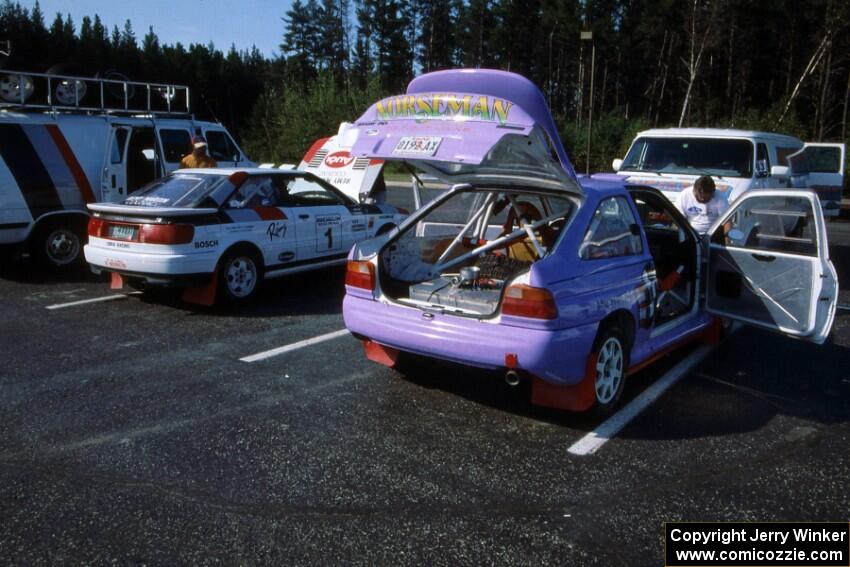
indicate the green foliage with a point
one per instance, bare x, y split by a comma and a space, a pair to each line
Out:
610, 138
290, 116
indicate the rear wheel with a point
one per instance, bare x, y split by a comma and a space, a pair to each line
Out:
612, 362
59, 245
239, 275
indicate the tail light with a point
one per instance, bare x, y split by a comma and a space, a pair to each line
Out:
166, 233
96, 227
525, 301
360, 274
403, 211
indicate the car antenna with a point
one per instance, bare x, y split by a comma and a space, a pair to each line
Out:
212, 112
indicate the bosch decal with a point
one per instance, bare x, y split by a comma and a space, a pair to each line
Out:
206, 244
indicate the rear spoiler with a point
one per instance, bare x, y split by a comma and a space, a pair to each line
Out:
118, 209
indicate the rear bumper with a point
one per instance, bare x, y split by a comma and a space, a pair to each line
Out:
557, 356
154, 269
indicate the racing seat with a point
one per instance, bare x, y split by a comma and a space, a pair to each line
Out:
523, 250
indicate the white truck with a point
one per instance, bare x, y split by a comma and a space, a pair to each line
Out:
670, 159
68, 141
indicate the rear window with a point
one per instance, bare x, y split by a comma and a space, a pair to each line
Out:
178, 190
691, 156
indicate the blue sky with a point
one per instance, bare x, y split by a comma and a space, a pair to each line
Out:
243, 22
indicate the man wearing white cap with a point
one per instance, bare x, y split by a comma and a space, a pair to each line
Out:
199, 156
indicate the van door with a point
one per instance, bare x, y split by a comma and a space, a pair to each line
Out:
768, 265
823, 168
113, 183
143, 158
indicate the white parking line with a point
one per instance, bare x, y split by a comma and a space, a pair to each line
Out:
294, 346
591, 442
844, 307
93, 300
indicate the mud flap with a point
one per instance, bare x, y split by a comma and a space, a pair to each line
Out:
203, 294
572, 397
381, 354
117, 282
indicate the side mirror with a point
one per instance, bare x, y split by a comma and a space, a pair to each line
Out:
780, 172
617, 164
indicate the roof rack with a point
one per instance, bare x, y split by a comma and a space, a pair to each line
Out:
48, 91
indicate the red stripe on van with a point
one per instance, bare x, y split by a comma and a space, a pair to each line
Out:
71, 162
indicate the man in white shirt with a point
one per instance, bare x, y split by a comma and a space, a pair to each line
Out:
701, 204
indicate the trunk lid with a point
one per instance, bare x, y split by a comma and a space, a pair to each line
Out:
469, 126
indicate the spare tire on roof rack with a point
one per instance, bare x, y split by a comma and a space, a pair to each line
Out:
116, 90
68, 92
13, 85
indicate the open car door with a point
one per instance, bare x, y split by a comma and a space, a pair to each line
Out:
768, 265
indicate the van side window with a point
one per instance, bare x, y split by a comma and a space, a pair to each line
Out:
175, 144
783, 153
221, 146
610, 232
119, 140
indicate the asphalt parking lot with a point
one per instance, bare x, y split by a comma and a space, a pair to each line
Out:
131, 432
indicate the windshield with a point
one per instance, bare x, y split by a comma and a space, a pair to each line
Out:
691, 156
178, 190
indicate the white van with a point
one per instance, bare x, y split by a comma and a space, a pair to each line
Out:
670, 159
59, 153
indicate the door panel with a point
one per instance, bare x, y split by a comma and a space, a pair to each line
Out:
768, 265
322, 219
113, 184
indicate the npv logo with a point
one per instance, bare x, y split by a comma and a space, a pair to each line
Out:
339, 159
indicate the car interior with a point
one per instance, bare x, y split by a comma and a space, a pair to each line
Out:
462, 254
674, 252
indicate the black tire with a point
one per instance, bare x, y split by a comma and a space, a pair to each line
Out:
612, 362
240, 272
58, 245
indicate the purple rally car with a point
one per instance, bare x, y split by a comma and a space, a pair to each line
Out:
518, 265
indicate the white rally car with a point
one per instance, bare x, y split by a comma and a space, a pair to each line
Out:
220, 231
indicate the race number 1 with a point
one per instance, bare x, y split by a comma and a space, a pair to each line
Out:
328, 233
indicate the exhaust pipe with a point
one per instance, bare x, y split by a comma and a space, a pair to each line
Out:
512, 378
